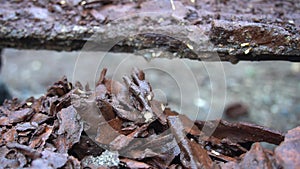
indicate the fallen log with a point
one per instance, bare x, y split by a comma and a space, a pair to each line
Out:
227, 30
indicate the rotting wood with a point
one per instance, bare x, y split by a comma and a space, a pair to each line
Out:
236, 30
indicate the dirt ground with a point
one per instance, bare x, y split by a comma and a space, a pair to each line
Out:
269, 89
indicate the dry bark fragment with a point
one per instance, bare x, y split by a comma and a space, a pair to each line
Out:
11, 158
20, 115
140, 90
256, 157
39, 139
192, 155
134, 116
89, 114
134, 164
4, 121
60, 88
8, 136
116, 124
106, 110
163, 147
158, 109
105, 134
70, 125
39, 118
243, 132
26, 126
56, 160
49, 129
288, 152
26, 150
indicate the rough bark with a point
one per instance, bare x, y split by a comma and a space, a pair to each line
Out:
231, 30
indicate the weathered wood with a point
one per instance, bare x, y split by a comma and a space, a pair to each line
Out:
233, 29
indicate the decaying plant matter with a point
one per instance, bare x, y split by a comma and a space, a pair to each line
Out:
228, 30
121, 126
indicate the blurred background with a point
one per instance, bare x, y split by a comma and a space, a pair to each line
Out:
265, 93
